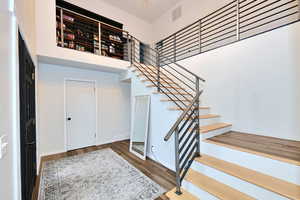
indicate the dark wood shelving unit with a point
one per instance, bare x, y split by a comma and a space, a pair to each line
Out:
78, 32
81, 30
58, 27
112, 42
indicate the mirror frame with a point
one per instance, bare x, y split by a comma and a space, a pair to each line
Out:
146, 129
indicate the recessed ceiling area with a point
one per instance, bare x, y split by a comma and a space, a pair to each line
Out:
148, 10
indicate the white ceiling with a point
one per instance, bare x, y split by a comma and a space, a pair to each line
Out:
148, 10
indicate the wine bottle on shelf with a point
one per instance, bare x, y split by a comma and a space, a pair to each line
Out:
68, 18
112, 48
69, 36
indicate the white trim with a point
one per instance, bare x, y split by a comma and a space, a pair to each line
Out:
16, 112
51, 153
146, 131
37, 118
12, 6
31, 54
65, 111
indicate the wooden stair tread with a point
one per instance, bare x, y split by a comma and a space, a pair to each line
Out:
209, 116
146, 71
175, 93
214, 187
168, 100
171, 87
141, 68
184, 196
273, 184
162, 81
153, 77
212, 127
177, 108
150, 71
146, 65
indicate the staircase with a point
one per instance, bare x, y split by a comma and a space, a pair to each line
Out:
206, 169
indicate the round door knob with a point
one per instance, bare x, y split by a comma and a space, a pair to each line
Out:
69, 118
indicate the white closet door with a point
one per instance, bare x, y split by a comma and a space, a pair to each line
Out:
80, 114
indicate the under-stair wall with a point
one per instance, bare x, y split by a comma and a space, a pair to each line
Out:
254, 83
161, 119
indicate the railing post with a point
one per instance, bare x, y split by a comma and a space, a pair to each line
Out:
177, 164
200, 39
197, 154
298, 9
158, 71
237, 20
128, 47
131, 44
62, 27
175, 48
100, 45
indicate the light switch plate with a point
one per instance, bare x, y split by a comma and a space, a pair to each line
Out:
3, 146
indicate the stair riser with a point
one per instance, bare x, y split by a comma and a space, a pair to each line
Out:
209, 121
236, 183
197, 191
258, 163
215, 132
204, 111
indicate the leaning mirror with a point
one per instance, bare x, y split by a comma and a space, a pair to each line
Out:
139, 131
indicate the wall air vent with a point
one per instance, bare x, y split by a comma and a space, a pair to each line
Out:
176, 14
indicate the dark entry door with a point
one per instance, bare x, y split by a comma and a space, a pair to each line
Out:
27, 120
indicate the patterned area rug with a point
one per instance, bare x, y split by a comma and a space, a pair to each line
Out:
98, 175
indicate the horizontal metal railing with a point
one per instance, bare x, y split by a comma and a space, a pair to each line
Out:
237, 20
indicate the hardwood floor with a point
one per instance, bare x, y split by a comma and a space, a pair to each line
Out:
281, 148
152, 169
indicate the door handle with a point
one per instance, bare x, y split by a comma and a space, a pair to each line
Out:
69, 118
30, 143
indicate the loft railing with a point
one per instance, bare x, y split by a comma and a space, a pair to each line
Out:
237, 20
182, 87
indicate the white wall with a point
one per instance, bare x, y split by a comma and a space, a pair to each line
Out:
192, 10
161, 120
9, 164
134, 25
25, 13
254, 83
113, 106
13, 14
46, 31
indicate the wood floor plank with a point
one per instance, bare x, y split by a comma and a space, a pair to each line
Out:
158, 173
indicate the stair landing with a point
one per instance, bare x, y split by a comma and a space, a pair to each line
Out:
274, 148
